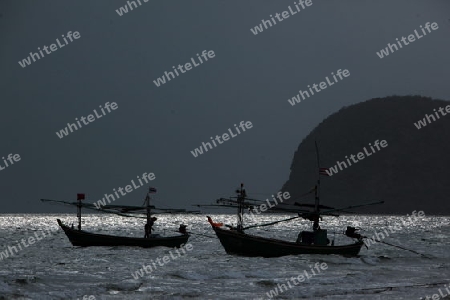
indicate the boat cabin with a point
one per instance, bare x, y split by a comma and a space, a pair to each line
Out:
316, 237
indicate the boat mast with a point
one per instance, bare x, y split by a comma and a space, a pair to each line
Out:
147, 200
317, 188
317, 193
240, 200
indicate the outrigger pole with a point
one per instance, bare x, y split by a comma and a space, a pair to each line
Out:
308, 215
271, 223
400, 247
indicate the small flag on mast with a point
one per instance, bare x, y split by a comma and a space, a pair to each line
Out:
152, 190
323, 171
80, 196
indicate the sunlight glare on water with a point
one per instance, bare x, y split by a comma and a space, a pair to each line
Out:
53, 269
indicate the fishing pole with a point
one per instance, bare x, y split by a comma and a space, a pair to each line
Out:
400, 247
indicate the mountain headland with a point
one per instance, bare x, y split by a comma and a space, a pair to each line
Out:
409, 173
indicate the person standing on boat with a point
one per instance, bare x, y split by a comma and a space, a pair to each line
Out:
146, 235
316, 225
150, 226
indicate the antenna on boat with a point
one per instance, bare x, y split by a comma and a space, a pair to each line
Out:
79, 198
317, 188
316, 215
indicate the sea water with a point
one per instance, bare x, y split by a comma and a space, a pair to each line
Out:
51, 268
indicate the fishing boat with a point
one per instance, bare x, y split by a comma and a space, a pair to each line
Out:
237, 242
79, 237
84, 239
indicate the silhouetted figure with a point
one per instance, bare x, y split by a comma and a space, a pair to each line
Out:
152, 221
147, 231
182, 229
316, 225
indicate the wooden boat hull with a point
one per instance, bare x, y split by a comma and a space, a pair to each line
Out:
248, 245
86, 239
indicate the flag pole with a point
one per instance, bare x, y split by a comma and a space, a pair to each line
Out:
147, 198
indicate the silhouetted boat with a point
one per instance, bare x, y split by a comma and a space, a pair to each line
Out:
235, 241
240, 243
83, 238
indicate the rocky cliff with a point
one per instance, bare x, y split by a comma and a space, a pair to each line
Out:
410, 173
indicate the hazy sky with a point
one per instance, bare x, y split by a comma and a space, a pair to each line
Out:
154, 128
